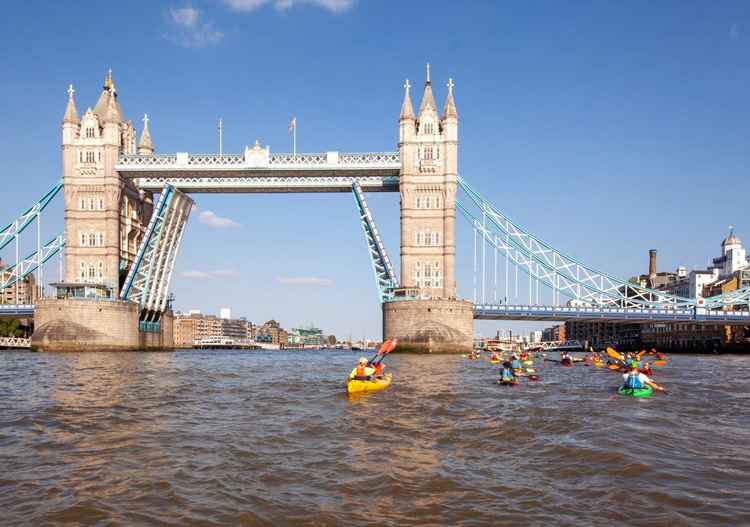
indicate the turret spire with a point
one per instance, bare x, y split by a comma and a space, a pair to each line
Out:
145, 145
427, 98
450, 104
407, 111
71, 115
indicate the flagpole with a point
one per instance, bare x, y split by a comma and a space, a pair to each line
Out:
294, 137
221, 137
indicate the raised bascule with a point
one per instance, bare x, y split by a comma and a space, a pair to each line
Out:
120, 244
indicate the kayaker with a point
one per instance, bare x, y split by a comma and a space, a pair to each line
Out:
515, 363
506, 373
635, 379
362, 372
378, 367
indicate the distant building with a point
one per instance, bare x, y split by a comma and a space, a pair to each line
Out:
21, 292
535, 336
554, 334
225, 313
603, 334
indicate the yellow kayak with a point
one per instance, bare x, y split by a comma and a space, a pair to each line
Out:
374, 385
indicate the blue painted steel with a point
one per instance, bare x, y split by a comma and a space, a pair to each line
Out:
609, 314
385, 277
8, 233
31, 262
16, 310
568, 276
150, 239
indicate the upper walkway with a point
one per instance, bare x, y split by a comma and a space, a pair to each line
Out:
257, 170
609, 314
16, 310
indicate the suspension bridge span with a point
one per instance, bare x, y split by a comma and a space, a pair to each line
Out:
127, 207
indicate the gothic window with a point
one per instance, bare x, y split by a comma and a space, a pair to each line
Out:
83, 271
91, 203
90, 157
101, 204
100, 157
92, 271
83, 204
83, 239
92, 239
419, 202
100, 239
101, 270
90, 132
437, 205
80, 157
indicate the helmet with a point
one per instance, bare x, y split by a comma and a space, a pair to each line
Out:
363, 360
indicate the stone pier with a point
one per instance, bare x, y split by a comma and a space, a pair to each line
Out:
95, 325
430, 326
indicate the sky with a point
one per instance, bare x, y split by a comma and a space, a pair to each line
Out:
606, 128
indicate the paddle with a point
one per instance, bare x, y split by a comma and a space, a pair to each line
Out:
385, 348
658, 363
612, 353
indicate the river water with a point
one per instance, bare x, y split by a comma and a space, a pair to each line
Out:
271, 438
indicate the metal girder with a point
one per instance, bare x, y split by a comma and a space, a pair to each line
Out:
280, 183
30, 264
569, 276
16, 227
560, 271
147, 282
385, 277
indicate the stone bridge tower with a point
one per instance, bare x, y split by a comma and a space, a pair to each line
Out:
105, 215
433, 320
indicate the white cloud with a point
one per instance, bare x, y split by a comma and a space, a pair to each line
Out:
334, 6
305, 280
206, 275
184, 16
207, 217
189, 31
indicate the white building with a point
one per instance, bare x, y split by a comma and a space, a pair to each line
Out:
733, 258
225, 313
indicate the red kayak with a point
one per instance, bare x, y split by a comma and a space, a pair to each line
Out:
566, 362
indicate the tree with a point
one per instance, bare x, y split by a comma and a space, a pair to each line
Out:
10, 328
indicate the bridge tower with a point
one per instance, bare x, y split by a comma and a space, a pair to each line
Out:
105, 215
105, 220
427, 316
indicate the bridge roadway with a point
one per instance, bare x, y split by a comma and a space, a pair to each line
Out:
259, 171
16, 310
609, 314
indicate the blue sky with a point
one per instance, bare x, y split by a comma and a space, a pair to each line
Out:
606, 128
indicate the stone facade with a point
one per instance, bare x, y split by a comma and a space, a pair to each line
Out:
428, 146
90, 325
105, 215
430, 326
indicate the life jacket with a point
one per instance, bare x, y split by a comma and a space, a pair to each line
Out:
360, 371
506, 374
633, 381
379, 369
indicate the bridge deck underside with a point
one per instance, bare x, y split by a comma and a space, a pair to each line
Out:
620, 315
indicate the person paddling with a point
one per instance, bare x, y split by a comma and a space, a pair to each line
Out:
378, 367
362, 372
506, 373
634, 379
515, 363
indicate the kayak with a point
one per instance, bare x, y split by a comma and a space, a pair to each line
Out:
646, 391
566, 362
354, 386
495, 361
528, 363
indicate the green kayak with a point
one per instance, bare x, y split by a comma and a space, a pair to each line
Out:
646, 391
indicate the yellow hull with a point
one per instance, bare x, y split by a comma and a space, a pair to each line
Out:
353, 386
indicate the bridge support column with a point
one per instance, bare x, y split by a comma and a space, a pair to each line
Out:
95, 325
430, 326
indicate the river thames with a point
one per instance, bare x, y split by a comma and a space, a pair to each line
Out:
271, 438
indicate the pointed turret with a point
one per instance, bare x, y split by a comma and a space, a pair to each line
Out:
71, 114
145, 145
407, 110
450, 105
428, 100
112, 113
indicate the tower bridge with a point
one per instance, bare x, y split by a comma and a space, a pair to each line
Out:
126, 211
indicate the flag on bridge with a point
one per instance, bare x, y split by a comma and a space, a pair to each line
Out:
293, 131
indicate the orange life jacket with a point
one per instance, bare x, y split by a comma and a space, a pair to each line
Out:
360, 371
379, 369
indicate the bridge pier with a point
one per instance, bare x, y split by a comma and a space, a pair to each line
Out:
95, 325
430, 325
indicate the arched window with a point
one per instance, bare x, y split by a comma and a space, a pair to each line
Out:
83, 271
91, 203
83, 204
92, 239
101, 204
100, 239
101, 270
83, 239
420, 238
92, 271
